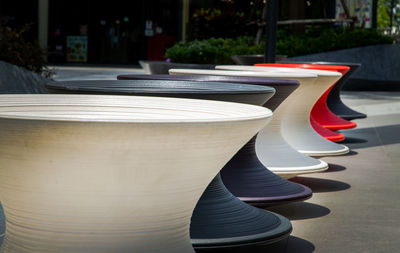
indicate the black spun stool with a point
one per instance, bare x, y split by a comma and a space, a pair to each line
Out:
222, 220
219, 219
334, 102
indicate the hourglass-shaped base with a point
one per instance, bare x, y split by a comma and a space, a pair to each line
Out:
248, 179
326, 118
296, 128
320, 111
222, 220
334, 102
345, 112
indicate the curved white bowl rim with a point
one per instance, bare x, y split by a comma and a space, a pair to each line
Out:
125, 109
278, 69
243, 73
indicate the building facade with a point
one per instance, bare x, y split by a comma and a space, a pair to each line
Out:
124, 32
89, 31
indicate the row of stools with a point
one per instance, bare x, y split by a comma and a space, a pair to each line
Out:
307, 110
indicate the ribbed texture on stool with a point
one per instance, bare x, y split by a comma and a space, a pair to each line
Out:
245, 176
219, 214
334, 101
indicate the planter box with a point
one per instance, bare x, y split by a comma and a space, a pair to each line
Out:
379, 66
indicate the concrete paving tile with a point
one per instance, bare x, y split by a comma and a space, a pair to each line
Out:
91, 73
355, 205
365, 216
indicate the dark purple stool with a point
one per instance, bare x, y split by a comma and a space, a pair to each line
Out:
244, 175
334, 102
219, 219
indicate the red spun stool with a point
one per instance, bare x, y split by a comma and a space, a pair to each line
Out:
321, 113
326, 133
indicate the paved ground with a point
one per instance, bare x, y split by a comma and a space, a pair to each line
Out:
91, 73
356, 203
359, 197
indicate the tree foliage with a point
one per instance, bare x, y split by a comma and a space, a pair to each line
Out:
219, 50
16, 50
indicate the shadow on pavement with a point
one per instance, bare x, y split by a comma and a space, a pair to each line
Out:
300, 210
353, 140
290, 244
374, 136
321, 185
351, 153
334, 168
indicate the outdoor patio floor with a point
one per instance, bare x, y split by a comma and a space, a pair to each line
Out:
356, 203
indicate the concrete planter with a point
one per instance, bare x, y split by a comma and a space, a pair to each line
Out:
379, 66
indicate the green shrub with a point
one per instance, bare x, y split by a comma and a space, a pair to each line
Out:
219, 51
212, 51
315, 41
15, 50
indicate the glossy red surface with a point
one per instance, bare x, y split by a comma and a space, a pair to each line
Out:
326, 133
320, 112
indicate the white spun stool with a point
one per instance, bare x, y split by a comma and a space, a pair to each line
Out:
296, 127
272, 149
89, 173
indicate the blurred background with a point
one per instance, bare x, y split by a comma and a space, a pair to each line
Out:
124, 32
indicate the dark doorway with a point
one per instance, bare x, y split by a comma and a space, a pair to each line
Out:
115, 30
